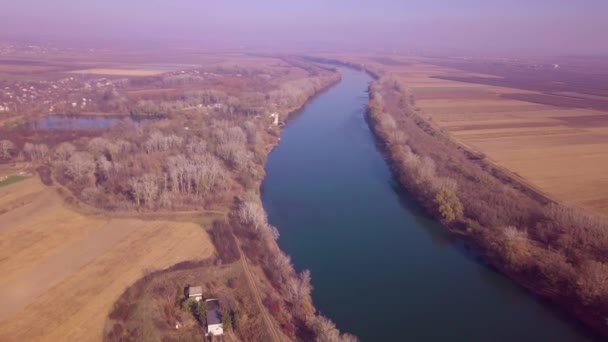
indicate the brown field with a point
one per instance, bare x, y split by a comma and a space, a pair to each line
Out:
12, 68
553, 139
61, 270
120, 72
555, 149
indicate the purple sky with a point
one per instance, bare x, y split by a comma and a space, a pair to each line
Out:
480, 26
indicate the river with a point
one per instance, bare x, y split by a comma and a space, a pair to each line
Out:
381, 269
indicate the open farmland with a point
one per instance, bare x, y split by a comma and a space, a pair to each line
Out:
120, 72
61, 270
559, 148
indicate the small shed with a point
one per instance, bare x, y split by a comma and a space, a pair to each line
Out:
214, 318
195, 292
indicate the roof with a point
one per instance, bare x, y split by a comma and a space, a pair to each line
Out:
214, 315
195, 291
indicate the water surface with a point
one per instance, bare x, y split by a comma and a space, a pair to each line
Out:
380, 268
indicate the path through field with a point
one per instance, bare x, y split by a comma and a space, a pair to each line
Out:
256, 293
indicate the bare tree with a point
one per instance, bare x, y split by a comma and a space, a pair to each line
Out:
103, 168
236, 155
196, 147
252, 214
158, 142
281, 263
80, 166
593, 282
7, 149
64, 151
144, 190
326, 331
36, 152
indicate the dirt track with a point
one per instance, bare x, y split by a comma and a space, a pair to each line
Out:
256, 292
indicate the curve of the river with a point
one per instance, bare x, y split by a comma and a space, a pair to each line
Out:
382, 270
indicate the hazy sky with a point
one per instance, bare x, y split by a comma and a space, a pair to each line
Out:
517, 26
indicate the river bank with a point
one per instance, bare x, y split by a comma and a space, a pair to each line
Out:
270, 300
567, 274
335, 202
512, 245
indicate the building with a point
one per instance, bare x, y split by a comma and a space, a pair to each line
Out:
275, 118
214, 318
195, 292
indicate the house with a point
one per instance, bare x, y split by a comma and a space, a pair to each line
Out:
195, 292
275, 118
214, 318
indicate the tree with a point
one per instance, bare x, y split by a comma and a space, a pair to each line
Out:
326, 331
593, 284
202, 311
7, 149
189, 304
64, 151
36, 152
80, 166
253, 215
158, 142
144, 190
235, 155
226, 319
103, 168
448, 204
282, 262
516, 246
299, 289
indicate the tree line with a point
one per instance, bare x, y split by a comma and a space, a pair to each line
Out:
553, 249
198, 158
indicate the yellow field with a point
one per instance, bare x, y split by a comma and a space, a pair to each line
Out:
61, 271
561, 151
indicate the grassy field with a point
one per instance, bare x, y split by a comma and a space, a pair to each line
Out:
61, 270
559, 150
11, 179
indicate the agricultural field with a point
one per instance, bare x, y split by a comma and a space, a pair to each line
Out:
61, 269
103, 135
556, 145
121, 71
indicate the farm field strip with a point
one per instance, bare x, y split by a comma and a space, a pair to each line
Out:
61, 271
562, 151
119, 72
559, 150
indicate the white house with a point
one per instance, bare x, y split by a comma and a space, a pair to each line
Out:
275, 118
195, 292
214, 318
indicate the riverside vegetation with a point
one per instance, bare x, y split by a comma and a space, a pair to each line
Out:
556, 251
205, 150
